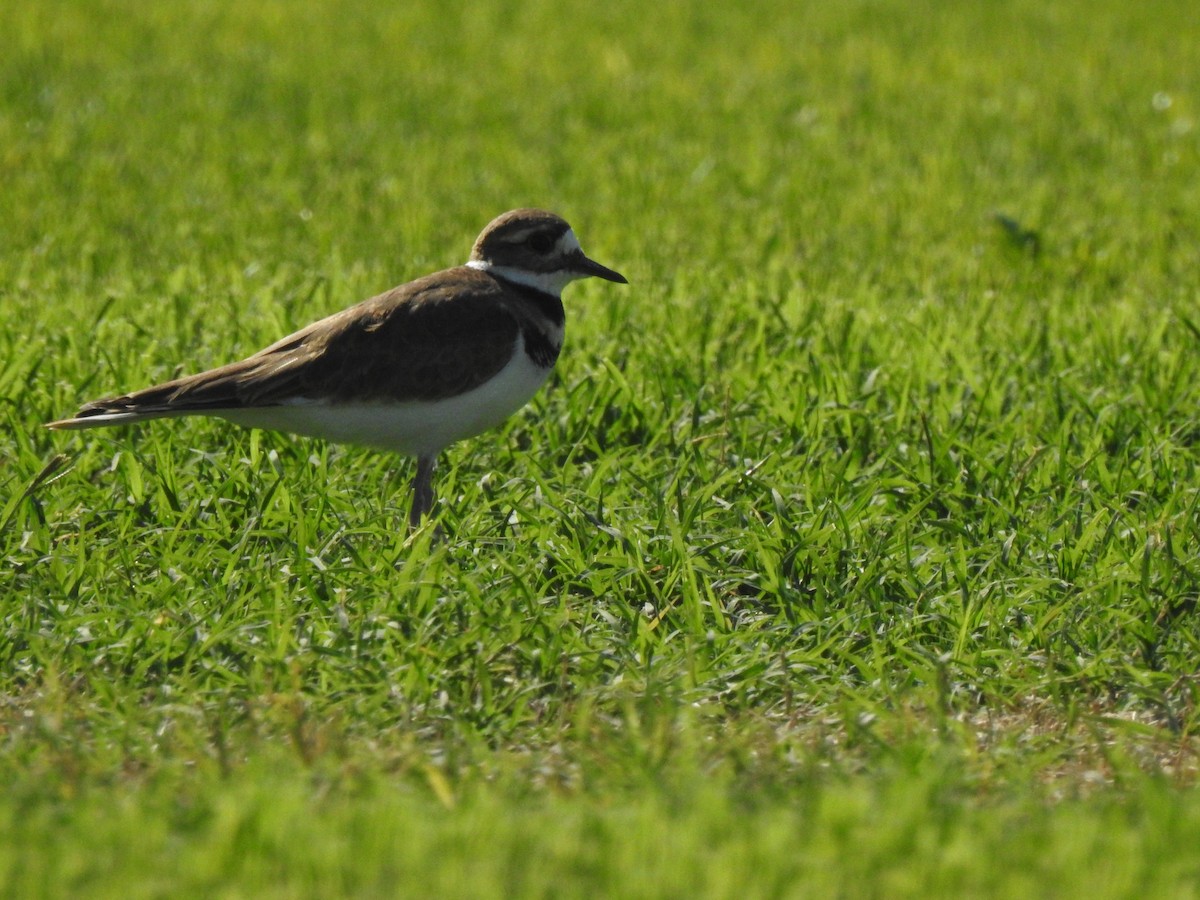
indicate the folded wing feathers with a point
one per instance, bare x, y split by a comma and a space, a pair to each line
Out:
426, 343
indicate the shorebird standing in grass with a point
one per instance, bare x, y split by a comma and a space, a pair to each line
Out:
412, 370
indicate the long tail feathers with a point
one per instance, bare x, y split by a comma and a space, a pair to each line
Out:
99, 416
206, 392
182, 397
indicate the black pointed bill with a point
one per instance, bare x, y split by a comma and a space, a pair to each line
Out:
590, 267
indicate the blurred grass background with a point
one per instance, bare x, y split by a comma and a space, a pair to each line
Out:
852, 548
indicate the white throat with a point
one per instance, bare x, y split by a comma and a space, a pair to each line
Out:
546, 282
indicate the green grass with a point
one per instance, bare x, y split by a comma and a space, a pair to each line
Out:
854, 549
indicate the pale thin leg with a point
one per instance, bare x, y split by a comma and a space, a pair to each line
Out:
422, 490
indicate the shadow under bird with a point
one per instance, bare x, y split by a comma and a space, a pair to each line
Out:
412, 370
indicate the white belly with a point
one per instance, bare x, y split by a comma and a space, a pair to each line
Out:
417, 428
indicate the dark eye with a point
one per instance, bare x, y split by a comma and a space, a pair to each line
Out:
540, 242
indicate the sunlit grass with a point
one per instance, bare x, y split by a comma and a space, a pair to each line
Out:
852, 547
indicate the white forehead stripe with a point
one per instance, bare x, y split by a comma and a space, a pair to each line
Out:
568, 243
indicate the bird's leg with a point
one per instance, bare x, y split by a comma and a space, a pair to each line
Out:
422, 490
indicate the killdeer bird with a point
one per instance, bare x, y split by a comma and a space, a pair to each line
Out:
412, 370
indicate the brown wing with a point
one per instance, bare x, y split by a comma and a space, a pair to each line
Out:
435, 337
